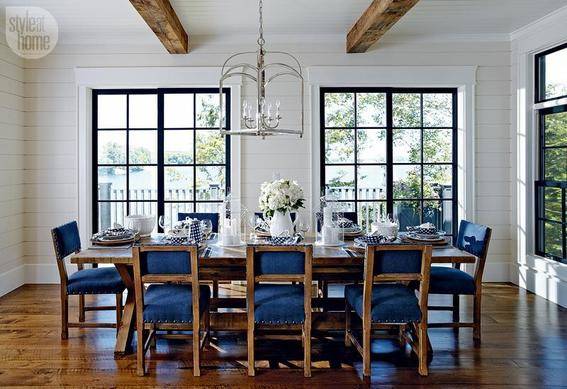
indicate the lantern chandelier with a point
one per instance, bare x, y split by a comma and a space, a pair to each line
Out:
261, 117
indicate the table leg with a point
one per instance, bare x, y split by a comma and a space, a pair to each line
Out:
126, 331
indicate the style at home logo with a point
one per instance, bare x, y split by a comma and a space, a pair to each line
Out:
31, 32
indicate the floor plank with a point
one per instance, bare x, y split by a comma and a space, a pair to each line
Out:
524, 345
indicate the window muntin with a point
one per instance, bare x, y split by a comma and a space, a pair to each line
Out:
158, 152
391, 150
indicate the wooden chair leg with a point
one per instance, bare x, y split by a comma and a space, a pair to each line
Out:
118, 311
422, 349
81, 308
456, 310
307, 349
347, 323
477, 318
64, 316
140, 357
196, 349
251, 362
366, 344
207, 325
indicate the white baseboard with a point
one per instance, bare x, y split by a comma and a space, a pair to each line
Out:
12, 279
544, 277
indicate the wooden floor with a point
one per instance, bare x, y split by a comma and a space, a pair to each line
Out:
524, 345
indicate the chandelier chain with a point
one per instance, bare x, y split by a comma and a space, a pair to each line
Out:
261, 39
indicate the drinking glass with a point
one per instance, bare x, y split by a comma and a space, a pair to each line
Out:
161, 223
207, 227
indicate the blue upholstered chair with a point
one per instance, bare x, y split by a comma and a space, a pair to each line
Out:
213, 217
174, 300
475, 239
286, 306
386, 300
66, 241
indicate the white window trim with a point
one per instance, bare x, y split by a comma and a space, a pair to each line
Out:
87, 79
461, 77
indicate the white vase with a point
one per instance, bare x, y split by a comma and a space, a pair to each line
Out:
281, 224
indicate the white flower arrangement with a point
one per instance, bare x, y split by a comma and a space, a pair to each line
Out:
280, 195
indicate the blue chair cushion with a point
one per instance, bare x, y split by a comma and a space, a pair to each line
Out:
103, 280
391, 303
278, 304
173, 303
448, 280
66, 239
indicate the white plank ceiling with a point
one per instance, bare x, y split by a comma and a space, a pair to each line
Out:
295, 17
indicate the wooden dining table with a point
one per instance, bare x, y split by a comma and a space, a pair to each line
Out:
217, 263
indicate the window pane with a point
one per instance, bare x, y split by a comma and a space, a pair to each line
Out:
552, 204
210, 146
145, 208
208, 207
437, 110
178, 147
556, 164
368, 212
339, 109
553, 239
111, 183
111, 111
110, 214
179, 183
440, 213
407, 213
407, 181
407, 109
111, 147
178, 110
555, 75
437, 145
143, 147
341, 180
556, 129
143, 183
172, 211
210, 182
371, 110
371, 183
339, 146
208, 110
142, 111
371, 146
437, 181
407, 146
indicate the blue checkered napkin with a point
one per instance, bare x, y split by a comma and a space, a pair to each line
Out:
195, 231
343, 222
369, 240
176, 240
283, 240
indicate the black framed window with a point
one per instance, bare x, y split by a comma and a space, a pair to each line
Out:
391, 150
551, 184
158, 152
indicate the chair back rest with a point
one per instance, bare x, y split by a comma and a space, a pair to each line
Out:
279, 263
347, 215
474, 238
213, 217
66, 240
400, 263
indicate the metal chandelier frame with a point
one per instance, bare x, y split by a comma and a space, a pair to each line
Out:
262, 122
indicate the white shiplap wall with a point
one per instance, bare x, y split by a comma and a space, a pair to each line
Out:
12, 162
51, 129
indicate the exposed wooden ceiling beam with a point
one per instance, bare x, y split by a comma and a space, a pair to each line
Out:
163, 21
378, 18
